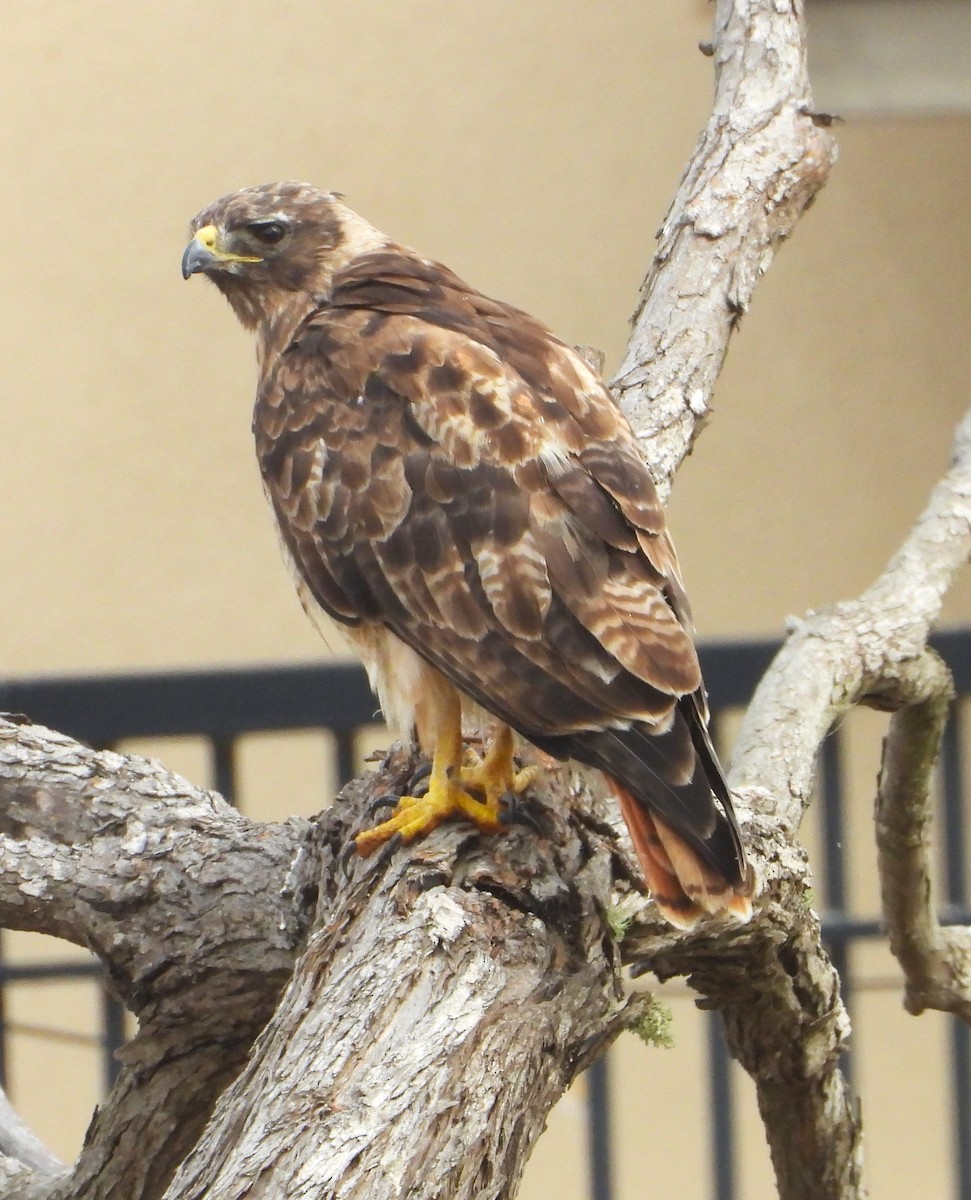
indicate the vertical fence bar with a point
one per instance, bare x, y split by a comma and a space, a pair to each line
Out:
112, 1035
833, 892
346, 755
599, 1146
952, 797
722, 1111
956, 896
831, 778
721, 1097
961, 1079
223, 764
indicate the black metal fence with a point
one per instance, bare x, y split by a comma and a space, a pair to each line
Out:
223, 706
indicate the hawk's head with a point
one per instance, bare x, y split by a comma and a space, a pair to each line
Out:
263, 244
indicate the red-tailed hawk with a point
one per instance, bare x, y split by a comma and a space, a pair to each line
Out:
457, 488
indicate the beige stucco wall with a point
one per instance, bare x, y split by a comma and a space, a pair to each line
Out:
534, 148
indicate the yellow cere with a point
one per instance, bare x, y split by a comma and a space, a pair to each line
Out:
208, 236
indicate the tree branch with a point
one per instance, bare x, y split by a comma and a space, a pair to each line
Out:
97, 840
189, 906
445, 968
20, 1182
17, 1141
855, 652
760, 162
936, 962
872, 651
484, 971
445, 1001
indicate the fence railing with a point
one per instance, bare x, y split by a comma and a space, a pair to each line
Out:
222, 706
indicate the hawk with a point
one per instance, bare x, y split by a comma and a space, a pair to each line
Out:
457, 488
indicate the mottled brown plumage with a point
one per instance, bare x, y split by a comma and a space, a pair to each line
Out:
457, 488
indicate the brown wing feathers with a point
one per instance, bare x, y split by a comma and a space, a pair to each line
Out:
565, 621
559, 554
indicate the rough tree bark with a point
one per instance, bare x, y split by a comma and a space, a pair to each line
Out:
423, 1014
405, 1028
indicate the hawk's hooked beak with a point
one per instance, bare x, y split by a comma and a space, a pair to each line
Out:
205, 252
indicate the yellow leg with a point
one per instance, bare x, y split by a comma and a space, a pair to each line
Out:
449, 787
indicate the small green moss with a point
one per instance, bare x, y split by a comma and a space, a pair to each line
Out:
621, 914
653, 1026
619, 922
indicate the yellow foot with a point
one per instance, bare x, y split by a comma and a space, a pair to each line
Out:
495, 774
476, 791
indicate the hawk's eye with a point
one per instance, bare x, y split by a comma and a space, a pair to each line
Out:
268, 232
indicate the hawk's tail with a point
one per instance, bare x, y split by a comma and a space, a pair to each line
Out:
682, 882
679, 813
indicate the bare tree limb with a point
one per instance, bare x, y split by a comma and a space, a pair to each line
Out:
189, 906
20, 1182
761, 160
936, 961
484, 972
442, 1006
90, 838
872, 651
853, 652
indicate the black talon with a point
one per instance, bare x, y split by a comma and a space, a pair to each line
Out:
516, 813
348, 852
420, 777
385, 852
388, 800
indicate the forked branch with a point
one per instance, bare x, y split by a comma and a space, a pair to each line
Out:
870, 651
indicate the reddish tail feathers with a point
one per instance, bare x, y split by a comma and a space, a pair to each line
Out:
684, 886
